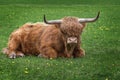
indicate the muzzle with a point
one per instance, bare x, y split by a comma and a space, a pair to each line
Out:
72, 40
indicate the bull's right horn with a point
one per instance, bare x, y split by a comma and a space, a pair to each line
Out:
85, 20
52, 21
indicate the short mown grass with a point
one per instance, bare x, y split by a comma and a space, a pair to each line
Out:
101, 41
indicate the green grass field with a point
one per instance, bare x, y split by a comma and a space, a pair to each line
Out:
101, 40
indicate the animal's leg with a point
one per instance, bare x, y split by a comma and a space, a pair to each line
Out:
48, 52
78, 53
13, 55
64, 55
10, 54
13, 45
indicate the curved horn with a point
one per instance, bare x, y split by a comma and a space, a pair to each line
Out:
52, 21
82, 20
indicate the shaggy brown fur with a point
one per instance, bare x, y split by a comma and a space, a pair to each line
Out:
48, 41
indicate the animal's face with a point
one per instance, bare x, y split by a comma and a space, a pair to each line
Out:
71, 27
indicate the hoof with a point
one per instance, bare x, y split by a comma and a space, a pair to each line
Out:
20, 54
42, 56
12, 55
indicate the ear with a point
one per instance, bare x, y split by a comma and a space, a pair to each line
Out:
83, 25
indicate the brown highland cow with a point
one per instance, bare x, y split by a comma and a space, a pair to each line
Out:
52, 39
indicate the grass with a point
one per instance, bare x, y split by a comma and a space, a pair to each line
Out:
62, 2
100, 40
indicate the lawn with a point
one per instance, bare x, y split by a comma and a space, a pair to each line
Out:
101, 40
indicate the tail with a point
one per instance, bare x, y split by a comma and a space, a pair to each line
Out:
5, 50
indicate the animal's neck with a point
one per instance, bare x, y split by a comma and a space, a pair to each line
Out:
71, 47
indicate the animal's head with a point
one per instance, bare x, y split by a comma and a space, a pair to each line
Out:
72, 26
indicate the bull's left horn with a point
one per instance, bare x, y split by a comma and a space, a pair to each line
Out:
52, 21
82, 20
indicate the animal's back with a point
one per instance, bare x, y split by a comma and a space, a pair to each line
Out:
28, 37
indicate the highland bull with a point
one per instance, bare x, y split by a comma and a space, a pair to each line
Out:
51, 39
